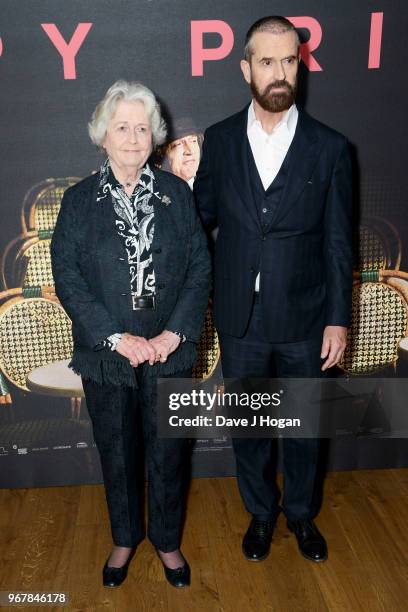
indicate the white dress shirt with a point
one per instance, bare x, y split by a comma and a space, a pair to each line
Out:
269, 150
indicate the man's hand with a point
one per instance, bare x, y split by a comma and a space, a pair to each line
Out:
333, 345
164, 344
137, 349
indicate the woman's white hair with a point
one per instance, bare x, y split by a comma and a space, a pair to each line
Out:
130, 92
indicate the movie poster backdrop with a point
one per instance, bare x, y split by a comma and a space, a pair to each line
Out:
57, 60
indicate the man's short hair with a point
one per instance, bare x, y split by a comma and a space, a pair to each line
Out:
274, 24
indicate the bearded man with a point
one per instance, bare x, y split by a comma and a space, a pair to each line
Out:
278, 184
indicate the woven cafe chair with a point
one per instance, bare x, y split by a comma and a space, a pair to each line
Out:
34, 331
32, 265
39, 213
42, 202
379, 299
378, 245
16, 256
379, 321
208, 349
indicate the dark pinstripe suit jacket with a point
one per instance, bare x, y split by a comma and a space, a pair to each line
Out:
304, 256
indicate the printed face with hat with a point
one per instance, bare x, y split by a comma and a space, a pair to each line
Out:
183, 152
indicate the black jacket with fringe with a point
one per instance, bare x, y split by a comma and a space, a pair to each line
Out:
92, 282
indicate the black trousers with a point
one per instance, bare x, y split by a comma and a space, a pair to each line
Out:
124, 423
256, 459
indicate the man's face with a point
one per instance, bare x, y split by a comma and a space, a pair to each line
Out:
272, 70
184, 156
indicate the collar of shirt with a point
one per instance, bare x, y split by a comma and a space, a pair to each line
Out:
107, 175
269, 150
288, 122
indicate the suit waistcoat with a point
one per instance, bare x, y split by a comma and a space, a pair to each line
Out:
267, 201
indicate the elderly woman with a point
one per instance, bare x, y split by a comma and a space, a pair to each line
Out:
132, 271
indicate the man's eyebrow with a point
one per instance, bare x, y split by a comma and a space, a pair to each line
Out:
262, 59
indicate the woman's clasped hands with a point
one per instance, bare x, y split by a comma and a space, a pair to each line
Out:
138, 349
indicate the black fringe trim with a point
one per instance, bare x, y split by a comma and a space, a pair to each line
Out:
182, 359
104, 371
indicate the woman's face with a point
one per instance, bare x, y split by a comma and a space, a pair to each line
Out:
128, 139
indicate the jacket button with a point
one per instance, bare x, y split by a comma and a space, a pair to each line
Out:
121, 258
157, 250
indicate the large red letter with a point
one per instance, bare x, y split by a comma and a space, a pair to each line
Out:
374, 53
1, 47
198, 54
314, 27
69, 50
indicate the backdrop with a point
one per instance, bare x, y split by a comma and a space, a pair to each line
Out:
57, 59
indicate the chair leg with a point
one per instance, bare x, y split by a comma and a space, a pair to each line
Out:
76, 408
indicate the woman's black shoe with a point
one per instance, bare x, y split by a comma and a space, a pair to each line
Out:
114, 576
179, 577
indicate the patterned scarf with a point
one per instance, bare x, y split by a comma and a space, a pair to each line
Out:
134, 224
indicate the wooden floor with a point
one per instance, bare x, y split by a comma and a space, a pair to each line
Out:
57, 539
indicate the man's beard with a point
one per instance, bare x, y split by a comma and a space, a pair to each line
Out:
275, 102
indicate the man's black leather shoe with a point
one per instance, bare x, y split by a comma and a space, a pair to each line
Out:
311, 543
257, 540
179, 577
114, 576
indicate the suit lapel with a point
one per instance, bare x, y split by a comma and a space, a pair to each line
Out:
238, 147
107, 234
162, 212
305, 150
